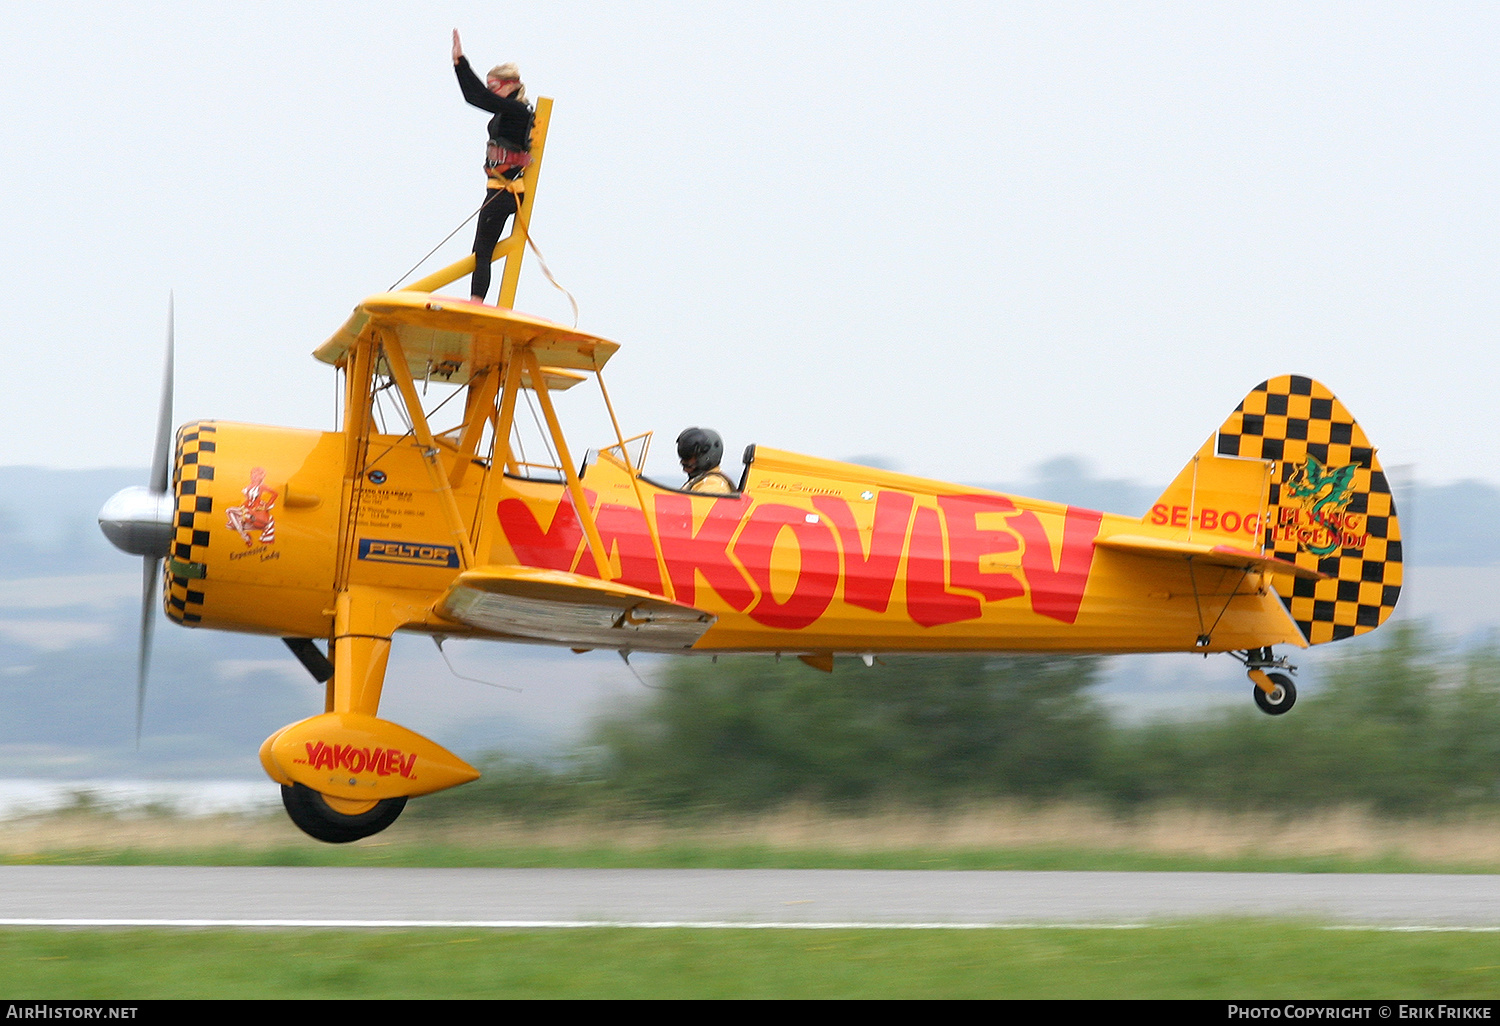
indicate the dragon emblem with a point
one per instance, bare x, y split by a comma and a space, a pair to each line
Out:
1323, 492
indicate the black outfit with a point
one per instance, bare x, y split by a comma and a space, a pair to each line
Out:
510, 128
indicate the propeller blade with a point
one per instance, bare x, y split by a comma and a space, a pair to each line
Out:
149, 600
161, 465
161, 456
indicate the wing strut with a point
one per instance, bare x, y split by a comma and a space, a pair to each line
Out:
480, 399
575, 486
640, 498
1206, 634
395, 359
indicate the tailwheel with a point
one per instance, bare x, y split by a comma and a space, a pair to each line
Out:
338, 820
1281, 697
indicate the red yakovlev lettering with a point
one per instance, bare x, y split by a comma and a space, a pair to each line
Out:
557, 548
624, 533
966, 543
817, 570
1057, 589
869, 577
928, 601
705, 550
381, 761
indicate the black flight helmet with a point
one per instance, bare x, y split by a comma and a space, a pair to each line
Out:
700, 450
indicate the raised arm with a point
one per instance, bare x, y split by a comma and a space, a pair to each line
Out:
473, 89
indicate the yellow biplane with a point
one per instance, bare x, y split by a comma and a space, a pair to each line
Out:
1279, 531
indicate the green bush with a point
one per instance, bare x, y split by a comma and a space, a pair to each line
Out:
747, 733
1409, 727
1406, 728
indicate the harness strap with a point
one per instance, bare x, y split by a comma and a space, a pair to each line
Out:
498, 160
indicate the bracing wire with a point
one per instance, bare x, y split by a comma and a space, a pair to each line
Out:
520, 443
526, 232
625, 657
440, 245
398, 408
377, 410
429, 414
546, 438
438, 639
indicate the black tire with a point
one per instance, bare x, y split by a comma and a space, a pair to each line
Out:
1279, 701
315, 818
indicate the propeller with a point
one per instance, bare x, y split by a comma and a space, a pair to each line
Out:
142, 522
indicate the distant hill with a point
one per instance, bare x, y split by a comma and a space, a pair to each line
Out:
49, 519
1071, 479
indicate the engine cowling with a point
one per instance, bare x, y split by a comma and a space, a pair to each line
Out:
255, 536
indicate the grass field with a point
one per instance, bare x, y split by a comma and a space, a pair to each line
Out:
1234, 960
997, 837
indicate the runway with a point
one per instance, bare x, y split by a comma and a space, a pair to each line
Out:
117, 896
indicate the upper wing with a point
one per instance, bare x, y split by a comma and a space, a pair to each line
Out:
452, 339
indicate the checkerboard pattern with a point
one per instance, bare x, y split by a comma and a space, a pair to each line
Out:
187, 564
1288, 419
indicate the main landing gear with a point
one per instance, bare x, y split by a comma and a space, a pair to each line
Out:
347, 774
338, 820
1274, 692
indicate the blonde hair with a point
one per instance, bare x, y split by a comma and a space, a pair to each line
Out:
509, 72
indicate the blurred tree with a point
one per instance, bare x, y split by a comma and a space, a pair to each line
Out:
1468, 735
512, 788
748, 733
1405, 728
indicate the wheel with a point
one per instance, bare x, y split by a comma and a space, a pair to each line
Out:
1280, 700
338, 820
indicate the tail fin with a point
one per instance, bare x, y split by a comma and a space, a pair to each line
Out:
1292, 474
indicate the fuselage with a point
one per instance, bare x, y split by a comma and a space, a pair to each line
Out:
811, 556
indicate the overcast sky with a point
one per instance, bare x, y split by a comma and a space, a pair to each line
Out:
963, 237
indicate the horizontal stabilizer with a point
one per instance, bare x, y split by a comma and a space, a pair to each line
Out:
557, 606
1214, 555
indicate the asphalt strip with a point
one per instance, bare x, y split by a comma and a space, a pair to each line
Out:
610, 924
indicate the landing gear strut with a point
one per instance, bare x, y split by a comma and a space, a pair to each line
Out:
1274, 692
347, 774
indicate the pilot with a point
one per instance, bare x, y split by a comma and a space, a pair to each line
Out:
700, 450
507, 154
